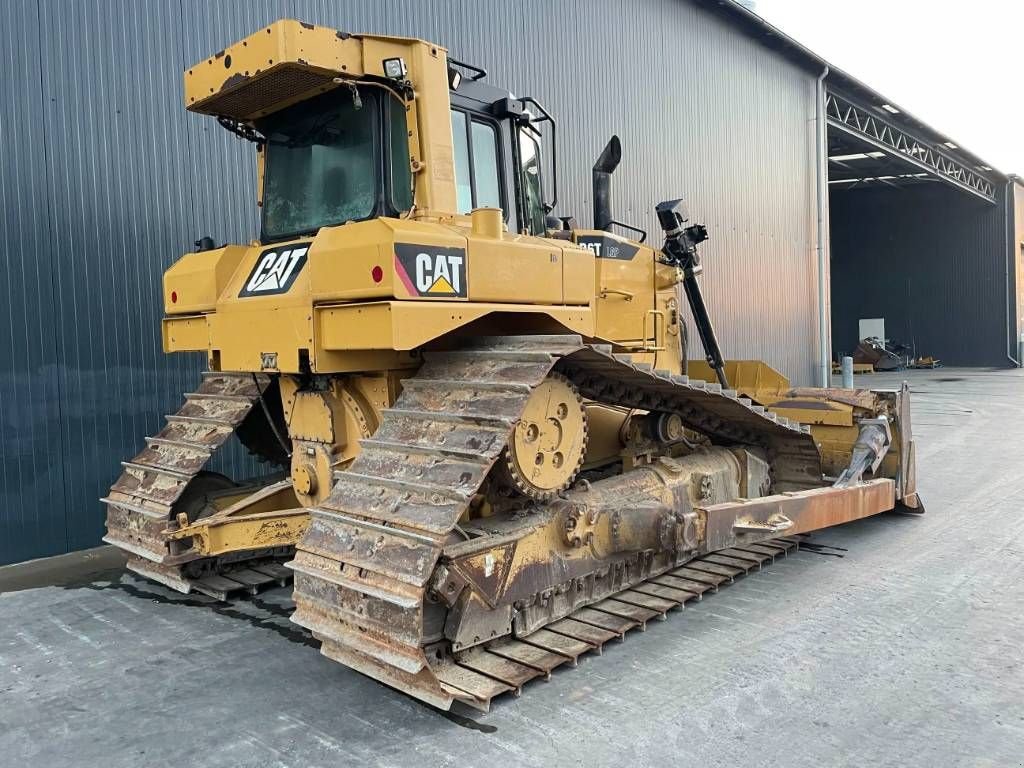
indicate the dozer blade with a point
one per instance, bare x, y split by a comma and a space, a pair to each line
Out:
370, 570
168, 476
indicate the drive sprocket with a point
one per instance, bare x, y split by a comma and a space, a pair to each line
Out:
546, 449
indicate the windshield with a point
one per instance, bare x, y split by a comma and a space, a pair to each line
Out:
322, 163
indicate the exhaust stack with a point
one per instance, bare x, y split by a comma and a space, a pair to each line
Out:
603, 170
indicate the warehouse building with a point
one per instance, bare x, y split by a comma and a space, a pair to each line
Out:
924, 235
106, 180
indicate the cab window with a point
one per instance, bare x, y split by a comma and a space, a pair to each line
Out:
533, 190
477, 163
322, 164
401, 173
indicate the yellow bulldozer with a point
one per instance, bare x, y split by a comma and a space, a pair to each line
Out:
488, 451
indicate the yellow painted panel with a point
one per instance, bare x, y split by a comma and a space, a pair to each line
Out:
418, 233
360, 361
296, 295
429, 119
752, 378
285, 44
186, 334
193, 283
243, 338
578, 275
341, 266
405, 325
267, 529
625, 293
516, 269
355, 326
822, 412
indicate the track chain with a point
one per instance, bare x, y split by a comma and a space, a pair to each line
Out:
362, 569
505, 665
159, 481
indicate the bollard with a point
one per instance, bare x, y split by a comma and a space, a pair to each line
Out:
847, 372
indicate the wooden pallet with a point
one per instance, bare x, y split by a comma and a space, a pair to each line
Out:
250, 579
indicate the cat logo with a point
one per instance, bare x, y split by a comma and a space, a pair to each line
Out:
431, 272
275, 270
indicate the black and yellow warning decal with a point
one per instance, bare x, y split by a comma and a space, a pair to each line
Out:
432, 271
604, 247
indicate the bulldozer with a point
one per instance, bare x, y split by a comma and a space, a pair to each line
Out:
487, 451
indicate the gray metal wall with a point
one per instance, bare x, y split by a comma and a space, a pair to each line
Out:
931, 261
106, 179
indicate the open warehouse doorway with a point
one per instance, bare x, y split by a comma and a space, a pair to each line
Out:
925, 246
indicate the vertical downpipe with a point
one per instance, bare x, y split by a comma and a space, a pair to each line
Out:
1010, 211
824, 342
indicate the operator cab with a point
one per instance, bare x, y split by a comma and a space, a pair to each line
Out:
343, 156
497, 148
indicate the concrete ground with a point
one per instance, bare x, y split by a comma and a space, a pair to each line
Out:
904, 651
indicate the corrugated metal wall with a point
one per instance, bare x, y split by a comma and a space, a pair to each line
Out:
106, 180
32, 498
928, 259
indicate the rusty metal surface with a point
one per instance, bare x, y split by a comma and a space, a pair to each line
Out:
749, 521
626, 610
640, 524
362, 568
144, 500
906, 489
587, 630
446, 450
531, 655
864, 399
722, 415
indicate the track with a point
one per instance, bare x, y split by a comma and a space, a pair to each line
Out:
363, 567
504, 666
166, 478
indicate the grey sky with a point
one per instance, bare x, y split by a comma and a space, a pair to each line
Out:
955, 65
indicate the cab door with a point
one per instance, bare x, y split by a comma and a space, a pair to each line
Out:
517, 268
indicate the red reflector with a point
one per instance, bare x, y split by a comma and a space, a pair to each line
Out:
377, 273
174, 297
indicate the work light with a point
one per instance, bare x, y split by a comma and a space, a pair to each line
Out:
395, 68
